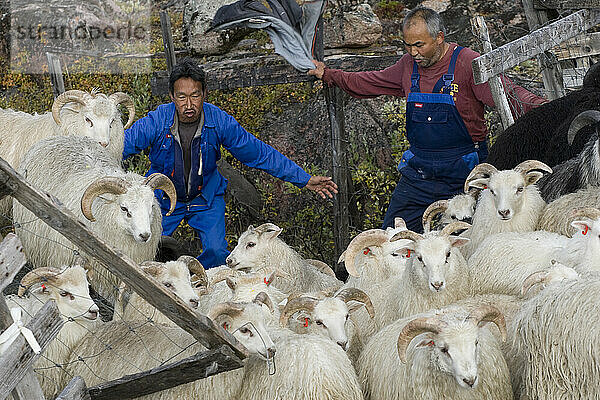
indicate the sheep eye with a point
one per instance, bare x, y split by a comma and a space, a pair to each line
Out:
347, 315
444, 350
244, 330
453, 217
448, 254
124, 209
319, 322
492, 192
477, 343
420, 258
64, 293
89, 121
250, 244
168, 284
520, 189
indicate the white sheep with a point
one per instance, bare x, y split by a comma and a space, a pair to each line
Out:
139, 348
460, 207
436, 274
556, 340
68, 287
119, 207
259, 248
509, 201
175, 276
438, 354
557, 213
74, 113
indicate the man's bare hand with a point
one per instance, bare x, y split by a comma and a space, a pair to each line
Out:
322, 185
318, 71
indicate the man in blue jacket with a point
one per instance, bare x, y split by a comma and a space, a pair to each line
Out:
185, 139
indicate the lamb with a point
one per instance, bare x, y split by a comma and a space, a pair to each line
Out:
556, 337
75, 113
439, 354
140, 348
460, 207
503, 261
91, 184
175, 276
509, 201
577, 172
68, 287
437, 273
541, 134
260, 248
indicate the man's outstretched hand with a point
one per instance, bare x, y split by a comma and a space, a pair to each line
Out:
323, 185
319, 69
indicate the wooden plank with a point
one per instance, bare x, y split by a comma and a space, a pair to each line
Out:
56, 75
565, 4
269, 70
12, 259
573, 77
75, 390
201, 365
28, 388
167, 36
579, 46
19, 358
480, 30
538, 41
54, 213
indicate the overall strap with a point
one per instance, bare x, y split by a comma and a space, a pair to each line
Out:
443, 84
414, 78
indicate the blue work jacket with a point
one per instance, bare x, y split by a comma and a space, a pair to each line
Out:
220, 129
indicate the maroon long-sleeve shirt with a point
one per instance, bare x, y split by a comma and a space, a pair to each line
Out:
469, 98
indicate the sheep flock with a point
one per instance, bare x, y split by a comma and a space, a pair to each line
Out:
497, 297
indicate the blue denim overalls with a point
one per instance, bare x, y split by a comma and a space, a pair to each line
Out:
441, 154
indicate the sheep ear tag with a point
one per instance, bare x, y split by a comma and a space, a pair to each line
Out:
426, 343
581, 225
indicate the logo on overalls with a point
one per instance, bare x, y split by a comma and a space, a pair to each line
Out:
454, 90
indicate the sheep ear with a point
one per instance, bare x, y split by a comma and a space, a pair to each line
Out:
231, 282
581, 225
268, 230
532, 177
480, 183
457, 241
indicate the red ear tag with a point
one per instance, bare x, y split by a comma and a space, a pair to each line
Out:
431, 343
225, 326
408, 254
584, 232
366, 251
43, 287
306, 322
485, 186
267, 282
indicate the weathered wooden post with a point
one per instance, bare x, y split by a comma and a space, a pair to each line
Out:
56, 76
165, 26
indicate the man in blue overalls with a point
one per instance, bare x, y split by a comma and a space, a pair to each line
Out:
445, 123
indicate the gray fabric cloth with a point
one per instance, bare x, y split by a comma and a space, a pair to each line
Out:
292, 34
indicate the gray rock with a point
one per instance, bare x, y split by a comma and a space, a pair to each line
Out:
356, 27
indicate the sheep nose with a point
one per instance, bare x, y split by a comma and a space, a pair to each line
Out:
504, 213
145, 236
103, 144
469, 381
342, 344
437, 285
271, 352
194, 303
229, 261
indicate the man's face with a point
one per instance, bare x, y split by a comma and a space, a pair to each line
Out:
188, 97
423, 48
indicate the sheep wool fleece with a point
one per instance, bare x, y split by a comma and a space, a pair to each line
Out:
201, 202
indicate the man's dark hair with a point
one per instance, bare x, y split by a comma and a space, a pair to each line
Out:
187, 68
432, 19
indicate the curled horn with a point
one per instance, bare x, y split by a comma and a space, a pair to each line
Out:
434, 209
266, 227
194, 266
107, 184
414, 328
321, 266
69, 96
530, 165
480, 171
159, 181
263, 298
587, 212
399, 223
35, 276
355, 294
229, 308
153, 268
588, 117
370, 237
414, 236
127, 101
489, 313
224, 274
453, 227
294, 305
531, 280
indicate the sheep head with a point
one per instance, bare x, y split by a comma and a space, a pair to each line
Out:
69, 287
246, 322
434, 255
134, 201
451, 338
252, 246
507, 189
96, 113
327, 313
